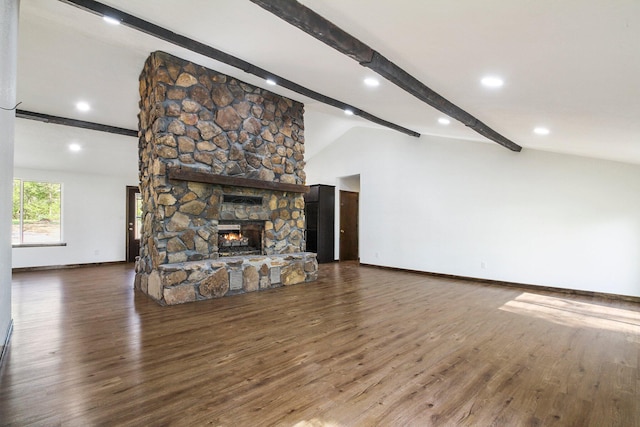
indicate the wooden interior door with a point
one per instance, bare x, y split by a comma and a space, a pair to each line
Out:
349, 226
134, 223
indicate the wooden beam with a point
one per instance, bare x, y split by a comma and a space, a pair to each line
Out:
404, 80
194, 175
324, 30
65, 121
218, 55
317, 26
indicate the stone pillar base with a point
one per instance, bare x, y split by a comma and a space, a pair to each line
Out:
201, 280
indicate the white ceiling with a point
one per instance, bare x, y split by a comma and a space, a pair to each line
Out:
569, 65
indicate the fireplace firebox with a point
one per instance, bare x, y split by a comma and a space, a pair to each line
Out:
237, 238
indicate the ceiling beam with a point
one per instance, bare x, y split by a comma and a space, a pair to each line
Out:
218, 55
47, 118
310, 22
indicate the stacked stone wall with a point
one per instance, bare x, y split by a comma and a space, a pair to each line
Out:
198, 119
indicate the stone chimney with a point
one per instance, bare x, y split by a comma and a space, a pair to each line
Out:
207, 143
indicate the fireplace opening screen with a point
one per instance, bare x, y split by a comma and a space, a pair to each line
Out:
240, 238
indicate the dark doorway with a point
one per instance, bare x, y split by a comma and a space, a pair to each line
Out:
348, 226
134, 222
319, 208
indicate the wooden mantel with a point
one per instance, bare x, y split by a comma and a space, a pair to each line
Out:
194, 175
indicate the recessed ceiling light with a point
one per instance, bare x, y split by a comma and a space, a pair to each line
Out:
444, 121
541, 131
110, 20
492, 81
348, 112
75, 147
83, 106
371, 82
271, 82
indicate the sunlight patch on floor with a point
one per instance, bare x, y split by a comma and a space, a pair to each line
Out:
573, 313
316, 423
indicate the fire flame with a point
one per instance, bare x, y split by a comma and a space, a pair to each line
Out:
233, 236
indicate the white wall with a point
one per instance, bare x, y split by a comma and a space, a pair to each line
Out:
480, 210
9, 10
93, 219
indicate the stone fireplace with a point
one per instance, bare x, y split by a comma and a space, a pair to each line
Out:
222, 182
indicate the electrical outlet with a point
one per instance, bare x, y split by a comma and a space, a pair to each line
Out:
483, 265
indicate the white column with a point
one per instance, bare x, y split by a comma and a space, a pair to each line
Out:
8, 66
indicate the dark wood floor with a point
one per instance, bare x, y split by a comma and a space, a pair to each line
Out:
359, 347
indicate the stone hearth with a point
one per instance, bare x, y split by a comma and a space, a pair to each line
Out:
214, 149
195, 280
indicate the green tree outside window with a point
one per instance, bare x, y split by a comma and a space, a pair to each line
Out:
37, 210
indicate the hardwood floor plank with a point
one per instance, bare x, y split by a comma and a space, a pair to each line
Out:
361, 346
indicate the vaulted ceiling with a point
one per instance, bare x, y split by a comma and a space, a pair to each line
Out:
571, 66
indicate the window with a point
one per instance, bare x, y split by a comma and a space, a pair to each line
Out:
138, 222
37, 208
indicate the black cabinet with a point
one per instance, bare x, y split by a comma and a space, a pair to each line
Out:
319, 209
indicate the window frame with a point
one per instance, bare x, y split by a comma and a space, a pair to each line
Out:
21, 243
